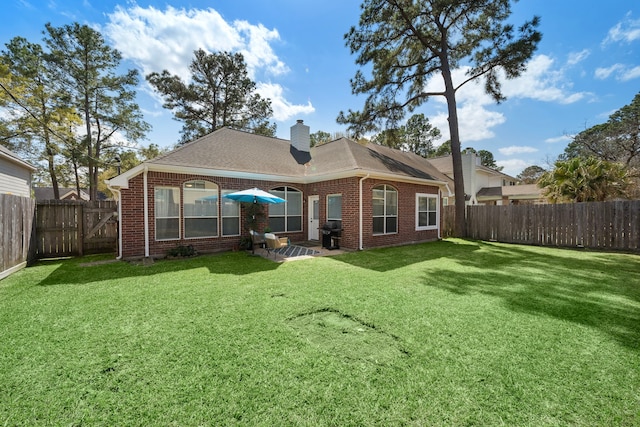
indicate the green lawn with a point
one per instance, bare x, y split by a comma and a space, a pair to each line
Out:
445, 333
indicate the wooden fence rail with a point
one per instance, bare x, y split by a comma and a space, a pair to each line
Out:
16, 227
597, 225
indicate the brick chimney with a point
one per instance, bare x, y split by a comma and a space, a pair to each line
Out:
300, 139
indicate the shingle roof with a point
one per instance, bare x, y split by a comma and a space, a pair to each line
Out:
233, 150
46, 193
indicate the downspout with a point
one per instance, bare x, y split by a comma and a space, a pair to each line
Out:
119, 199
439, 212
146, 212
361, 214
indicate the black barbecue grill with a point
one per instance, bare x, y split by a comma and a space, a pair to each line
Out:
331, 234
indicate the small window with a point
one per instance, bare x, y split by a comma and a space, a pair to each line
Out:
427, 212
385, 210
230, 216
334, 207
167, 213
200, 209
287, 216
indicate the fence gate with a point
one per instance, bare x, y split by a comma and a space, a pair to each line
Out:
75, 228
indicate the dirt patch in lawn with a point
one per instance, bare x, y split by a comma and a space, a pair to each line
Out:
345, 336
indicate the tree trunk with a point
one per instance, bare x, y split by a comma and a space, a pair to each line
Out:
458, 180
52, 169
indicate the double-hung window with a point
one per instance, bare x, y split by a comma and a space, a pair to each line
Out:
334, 207
385, 210
230, 215
287, 216
200, 209
167, 213
427, 211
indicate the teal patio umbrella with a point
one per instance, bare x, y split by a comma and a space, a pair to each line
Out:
254, 195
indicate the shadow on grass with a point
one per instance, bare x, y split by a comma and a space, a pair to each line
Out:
599, 290
75, 271
392, 258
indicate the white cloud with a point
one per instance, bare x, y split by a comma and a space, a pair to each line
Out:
541, 82
514, 149
619, 71
157, 40
283, 110
605, 73
577, 57
513, 166
630, 74
627, 30
558, 139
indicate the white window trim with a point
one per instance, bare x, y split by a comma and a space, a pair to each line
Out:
385, 215
222, 217
289, 189
155, 213
429, 196
329, 218
217, 217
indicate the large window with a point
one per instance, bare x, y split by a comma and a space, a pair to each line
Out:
167, 212
385, 210
426, 211
230, 215
200, 209
286, 216
334, 207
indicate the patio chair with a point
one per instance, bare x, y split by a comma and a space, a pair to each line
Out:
256, 239
274, 242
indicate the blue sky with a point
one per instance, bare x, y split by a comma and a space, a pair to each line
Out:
586, 67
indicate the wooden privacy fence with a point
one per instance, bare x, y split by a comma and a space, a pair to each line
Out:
448, 221
16, 226
596, 225
68, 228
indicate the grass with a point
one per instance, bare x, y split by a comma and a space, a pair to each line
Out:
446, 333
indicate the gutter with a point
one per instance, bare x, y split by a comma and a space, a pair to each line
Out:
116, 191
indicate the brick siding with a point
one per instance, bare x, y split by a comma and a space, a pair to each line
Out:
132, 217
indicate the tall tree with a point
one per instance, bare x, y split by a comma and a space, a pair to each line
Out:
584, 180
487, 159
617, 140
530, 174
415, 136
419, 135
219, 94
37, 118
86, 69
408, 41
319, 137
443, 149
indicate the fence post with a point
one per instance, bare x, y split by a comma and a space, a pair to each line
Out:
80, 217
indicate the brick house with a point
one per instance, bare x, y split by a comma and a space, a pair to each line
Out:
381, 196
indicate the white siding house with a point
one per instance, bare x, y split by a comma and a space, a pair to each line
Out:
483, 185
15, 174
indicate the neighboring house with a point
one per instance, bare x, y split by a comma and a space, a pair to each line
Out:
486, 186
379, 195
15, 174
46, 193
